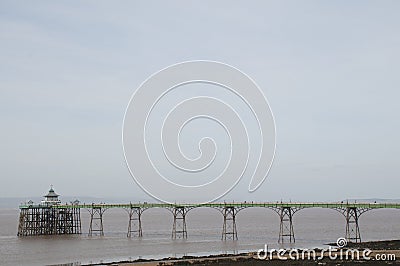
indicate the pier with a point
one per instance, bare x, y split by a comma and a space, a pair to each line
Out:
53, 218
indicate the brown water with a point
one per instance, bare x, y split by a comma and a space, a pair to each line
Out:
256, 227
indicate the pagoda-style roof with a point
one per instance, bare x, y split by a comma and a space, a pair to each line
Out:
51, 194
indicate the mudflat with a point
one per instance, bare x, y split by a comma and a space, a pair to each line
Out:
379, 253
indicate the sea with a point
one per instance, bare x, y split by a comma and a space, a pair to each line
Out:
256, 228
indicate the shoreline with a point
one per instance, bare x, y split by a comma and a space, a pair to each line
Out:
389, 249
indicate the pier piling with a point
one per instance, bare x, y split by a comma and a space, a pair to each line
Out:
96, 221
179, 225
135, 222
229, 227
286, 225
352, 228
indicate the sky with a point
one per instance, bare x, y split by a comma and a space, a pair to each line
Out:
330, 71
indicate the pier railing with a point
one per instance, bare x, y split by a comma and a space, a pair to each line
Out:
220, 205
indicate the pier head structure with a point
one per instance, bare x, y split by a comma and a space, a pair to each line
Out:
53, 218
49, 217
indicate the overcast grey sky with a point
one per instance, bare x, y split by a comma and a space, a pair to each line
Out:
330, 70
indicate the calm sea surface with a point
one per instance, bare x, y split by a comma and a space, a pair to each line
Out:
256, 227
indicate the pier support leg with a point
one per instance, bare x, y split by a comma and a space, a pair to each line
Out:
68, 221
65, 222
77, 224
179, 226
49, 221
229, 227
286, 225
96, 221
135, 222
23, 221
352, 228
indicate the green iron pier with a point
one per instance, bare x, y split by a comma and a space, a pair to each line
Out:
53, 218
